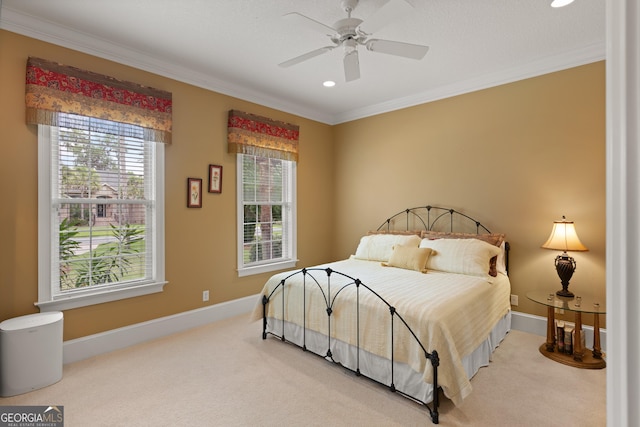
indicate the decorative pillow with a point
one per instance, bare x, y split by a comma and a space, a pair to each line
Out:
378, 247
465, 256
409, 257
494, 239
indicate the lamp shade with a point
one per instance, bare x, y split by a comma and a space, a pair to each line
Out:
564, 237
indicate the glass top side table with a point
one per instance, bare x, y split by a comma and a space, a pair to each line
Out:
578, 304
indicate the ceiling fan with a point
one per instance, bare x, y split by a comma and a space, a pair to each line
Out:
351, 32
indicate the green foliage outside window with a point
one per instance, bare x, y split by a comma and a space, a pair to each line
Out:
109, 262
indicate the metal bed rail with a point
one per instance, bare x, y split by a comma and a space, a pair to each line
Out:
311, 278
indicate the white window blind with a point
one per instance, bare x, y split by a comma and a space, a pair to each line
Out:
266, 214
103, 209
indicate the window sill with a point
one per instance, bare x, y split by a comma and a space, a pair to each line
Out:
248, 271
99, 297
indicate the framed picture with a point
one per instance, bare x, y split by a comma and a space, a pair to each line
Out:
215, 179
194, 192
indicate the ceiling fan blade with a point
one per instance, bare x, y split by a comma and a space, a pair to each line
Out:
408, 50
304, 57
351, 66
307, 22
389, 12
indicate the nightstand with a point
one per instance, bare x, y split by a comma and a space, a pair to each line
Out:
580, 358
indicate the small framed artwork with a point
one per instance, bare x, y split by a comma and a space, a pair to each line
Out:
194, 192
215, 179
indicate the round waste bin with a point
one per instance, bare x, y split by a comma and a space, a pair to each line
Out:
30, 352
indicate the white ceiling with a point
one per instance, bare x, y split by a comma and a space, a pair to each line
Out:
233, 46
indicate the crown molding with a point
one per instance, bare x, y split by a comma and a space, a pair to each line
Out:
550, 64
47, 31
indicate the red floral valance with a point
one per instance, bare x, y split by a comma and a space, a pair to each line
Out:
53, 88
260, 136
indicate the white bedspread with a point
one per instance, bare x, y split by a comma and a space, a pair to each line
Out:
449, 313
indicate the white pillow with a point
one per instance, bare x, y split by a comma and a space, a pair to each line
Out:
501, 263
464, 256
378, 247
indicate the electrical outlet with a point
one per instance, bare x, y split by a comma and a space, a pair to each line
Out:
514, 300
205, 295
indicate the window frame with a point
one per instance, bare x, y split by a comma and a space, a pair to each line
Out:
47, 301
281, 263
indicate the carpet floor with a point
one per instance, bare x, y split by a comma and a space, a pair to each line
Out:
224, 374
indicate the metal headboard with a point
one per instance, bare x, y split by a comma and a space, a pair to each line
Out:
436, 218
433, 218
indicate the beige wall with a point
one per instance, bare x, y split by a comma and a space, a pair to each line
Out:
515, 157
200, 243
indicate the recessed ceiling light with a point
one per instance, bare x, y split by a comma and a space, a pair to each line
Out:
329, 83
560, 3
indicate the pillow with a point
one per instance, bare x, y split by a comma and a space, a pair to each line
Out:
494, 239
464, 256
409, 257
378, 247
501, 261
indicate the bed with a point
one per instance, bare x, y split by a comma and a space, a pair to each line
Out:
420, 306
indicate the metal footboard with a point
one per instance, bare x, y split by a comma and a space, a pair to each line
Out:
311, 278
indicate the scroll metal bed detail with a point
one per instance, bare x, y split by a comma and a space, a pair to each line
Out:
429, 218
435, 218
310, 275
422, 217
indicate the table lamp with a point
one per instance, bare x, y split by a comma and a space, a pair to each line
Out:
564, 238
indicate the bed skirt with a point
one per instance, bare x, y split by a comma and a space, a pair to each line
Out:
405, 379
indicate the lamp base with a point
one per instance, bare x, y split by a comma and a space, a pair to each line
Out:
565, 293
565, 266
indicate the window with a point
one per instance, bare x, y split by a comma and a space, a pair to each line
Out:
101, 213
266, 214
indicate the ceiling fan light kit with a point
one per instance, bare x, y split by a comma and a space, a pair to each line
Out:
351, 32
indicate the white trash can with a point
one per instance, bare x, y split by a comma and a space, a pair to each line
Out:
30, 352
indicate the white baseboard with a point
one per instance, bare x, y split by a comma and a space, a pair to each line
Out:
93, 345
538, 325
105, 342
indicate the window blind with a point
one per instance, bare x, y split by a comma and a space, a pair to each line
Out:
103, 203
267, 199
